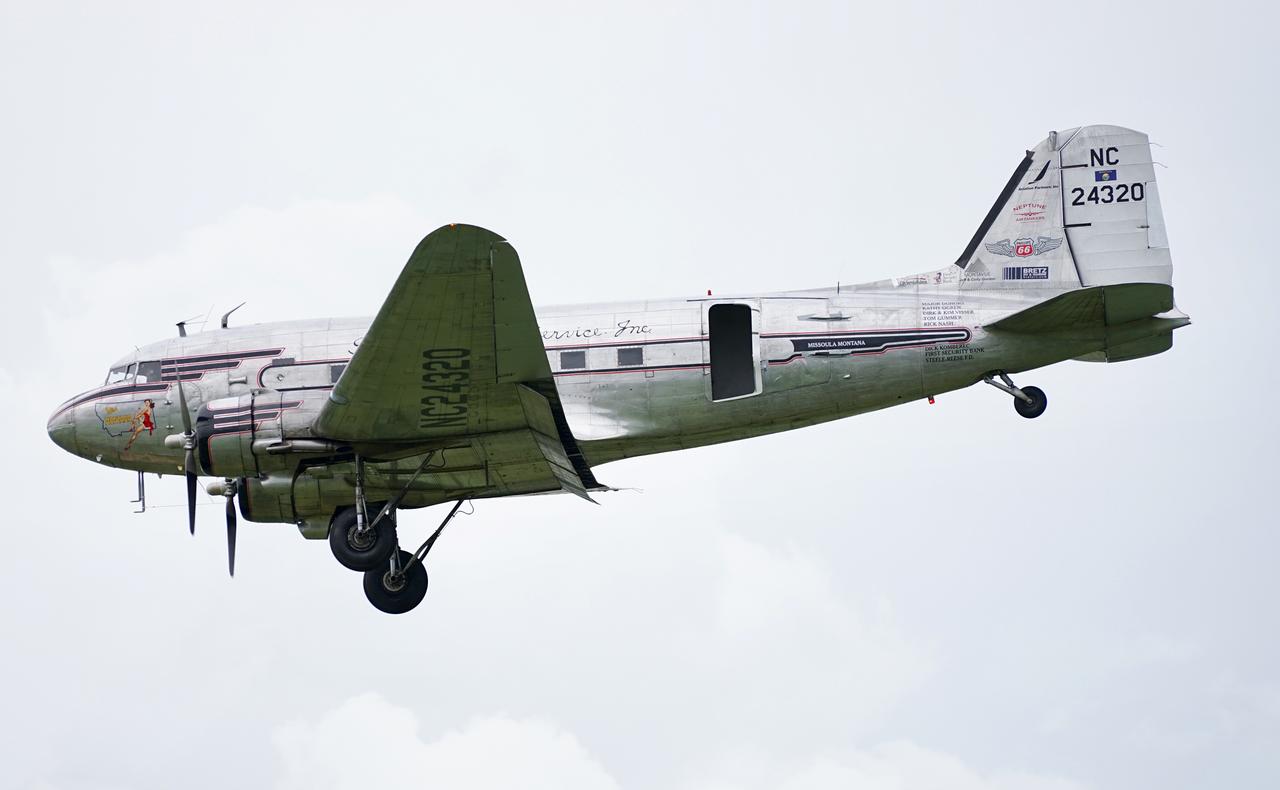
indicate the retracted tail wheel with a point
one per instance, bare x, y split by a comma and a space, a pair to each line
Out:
1039, 402
361, 551
396, 592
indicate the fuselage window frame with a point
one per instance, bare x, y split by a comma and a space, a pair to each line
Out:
573, 360
121, 375
148, 372
631, 357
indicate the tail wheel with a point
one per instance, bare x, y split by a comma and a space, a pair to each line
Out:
1039, 402
362, 551
396, 591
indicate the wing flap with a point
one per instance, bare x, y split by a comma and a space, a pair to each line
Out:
542, 423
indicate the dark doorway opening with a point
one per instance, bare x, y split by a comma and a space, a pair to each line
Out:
733, 367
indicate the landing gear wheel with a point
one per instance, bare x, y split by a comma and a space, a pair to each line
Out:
1039, 402
362, 552
396, 593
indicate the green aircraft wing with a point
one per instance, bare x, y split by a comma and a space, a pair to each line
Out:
455, 354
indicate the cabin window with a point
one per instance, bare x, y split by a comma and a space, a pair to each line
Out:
630, 357
335, 372
733, 367
148, 372
573, 360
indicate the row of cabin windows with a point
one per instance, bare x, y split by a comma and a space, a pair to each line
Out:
577, 360
145, 372
141, 372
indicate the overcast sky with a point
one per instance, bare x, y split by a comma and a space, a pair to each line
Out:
942, 596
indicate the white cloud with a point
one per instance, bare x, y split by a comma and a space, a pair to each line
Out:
891, 765
369, 742
902, 765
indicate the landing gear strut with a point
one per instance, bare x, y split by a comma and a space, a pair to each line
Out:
1030, 402
356, 542
402, 583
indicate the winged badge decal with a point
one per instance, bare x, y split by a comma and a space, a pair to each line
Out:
1023, 248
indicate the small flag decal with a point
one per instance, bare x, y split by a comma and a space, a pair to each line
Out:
1104, 175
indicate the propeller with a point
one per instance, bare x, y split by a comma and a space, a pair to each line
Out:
189, 462
230, 494
228, 487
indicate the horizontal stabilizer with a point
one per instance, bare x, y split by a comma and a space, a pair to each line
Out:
1104, 305
1134, 349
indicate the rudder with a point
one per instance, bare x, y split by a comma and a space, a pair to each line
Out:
1111, 207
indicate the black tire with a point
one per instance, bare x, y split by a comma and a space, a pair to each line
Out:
362, 555
1039, 402
396, 595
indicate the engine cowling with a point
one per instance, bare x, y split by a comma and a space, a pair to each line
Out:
299, 500
256, 434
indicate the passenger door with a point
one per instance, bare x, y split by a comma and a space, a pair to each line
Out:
732, 348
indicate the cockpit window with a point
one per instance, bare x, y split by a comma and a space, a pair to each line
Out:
121, 374
148, 372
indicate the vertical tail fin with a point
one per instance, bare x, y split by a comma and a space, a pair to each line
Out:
1080, 210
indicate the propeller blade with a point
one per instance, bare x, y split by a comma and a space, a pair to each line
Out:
231, 534
189, 461
191, 501
186, 415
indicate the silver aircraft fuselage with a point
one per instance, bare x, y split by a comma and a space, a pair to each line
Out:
633, 377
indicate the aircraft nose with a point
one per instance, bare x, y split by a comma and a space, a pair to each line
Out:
62, 429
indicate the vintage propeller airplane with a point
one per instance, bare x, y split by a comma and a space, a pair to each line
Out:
458, 390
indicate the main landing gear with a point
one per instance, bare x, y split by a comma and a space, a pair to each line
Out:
401, 584
395, 581
1030, 402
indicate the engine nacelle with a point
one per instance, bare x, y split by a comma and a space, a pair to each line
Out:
296, 499
256, 434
